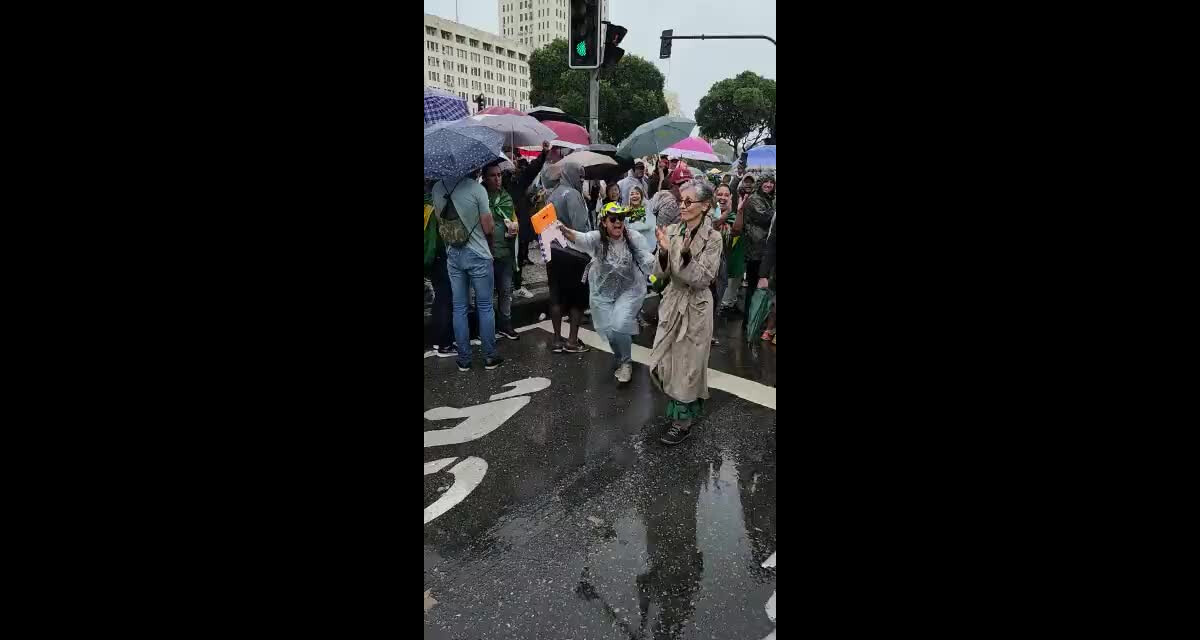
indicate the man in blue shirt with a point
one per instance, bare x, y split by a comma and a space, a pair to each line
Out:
471, 266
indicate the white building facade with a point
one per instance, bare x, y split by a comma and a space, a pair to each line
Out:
469, 62
537, 23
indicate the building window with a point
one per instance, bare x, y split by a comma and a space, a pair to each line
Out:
432, 46
430, 30
474, 43
521, 57
499, 77
487, 47
474, 57
447, 49
445, 35
460, 39
487, 60
475, 71
433, 75
499, 64
462, 82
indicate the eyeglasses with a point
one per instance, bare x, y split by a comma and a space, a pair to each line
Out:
685, 202
614, 218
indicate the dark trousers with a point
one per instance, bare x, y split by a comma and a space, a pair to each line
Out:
525, 235
751, 282
442, 321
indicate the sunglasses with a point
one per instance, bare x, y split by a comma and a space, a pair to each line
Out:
685, 202
614, 218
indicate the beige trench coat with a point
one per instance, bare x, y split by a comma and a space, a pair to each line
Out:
679, 360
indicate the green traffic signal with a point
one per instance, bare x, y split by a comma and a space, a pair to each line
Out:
581, 48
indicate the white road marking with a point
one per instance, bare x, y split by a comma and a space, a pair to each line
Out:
481, 419
523, 386
771, 607
429, 354
770, 561
467, 475
750, 390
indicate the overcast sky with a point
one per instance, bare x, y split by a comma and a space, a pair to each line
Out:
694, 65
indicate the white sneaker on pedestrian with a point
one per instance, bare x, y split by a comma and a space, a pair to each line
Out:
624, 372
522, 293
476, 341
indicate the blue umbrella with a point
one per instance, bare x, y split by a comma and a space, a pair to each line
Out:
454, 149
761, 157
441, 106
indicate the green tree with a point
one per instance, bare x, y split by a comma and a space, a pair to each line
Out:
630, 93
740, 110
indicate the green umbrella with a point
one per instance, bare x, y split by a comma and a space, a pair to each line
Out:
760, 306
652, 137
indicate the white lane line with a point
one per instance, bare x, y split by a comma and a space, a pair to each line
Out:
750, 390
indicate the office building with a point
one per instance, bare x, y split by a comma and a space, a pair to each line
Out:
537, 23
469, 62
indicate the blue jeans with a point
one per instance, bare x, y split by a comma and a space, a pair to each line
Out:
467, 269
622, 346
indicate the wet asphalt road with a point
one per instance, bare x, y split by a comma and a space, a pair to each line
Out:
583, 525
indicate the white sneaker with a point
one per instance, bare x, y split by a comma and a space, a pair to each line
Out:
476, 341
624, 372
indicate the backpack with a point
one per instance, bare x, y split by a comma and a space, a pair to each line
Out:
450, 227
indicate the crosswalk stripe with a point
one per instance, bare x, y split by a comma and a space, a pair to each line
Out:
749, 390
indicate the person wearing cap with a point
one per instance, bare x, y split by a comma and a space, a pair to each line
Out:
621, 262
637, 179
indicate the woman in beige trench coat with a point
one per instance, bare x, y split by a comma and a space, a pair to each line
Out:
689, 253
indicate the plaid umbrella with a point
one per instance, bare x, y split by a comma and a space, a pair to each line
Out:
452, 150
441, 106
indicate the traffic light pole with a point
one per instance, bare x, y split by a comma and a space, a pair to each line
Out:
704, 37
594, 106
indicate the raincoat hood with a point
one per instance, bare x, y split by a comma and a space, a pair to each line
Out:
572, 176
551, 176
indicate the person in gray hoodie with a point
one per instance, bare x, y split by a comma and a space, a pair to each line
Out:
565, 271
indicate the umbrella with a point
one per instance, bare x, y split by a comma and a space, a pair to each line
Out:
596, 166
441, 106
652, 137
603, 149
763, 157
543, 113
501, 111
519, 130
760, 306
454, 149
692, 149
568, 132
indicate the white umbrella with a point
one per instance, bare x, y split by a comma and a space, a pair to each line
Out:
519, 131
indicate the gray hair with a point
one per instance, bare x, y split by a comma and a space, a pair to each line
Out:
704, 191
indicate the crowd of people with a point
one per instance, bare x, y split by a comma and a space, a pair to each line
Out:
690, 239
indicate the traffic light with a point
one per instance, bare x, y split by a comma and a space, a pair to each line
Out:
479, 100
613, 35
585, 35
664, 45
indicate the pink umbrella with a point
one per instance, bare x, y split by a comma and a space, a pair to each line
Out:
693, 149
502, 111
569, 132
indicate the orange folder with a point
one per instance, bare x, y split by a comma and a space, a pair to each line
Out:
543, 218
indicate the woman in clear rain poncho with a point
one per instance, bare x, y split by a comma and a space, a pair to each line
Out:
621, 261
689, 254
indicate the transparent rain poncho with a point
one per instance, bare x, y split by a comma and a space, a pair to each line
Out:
617, 286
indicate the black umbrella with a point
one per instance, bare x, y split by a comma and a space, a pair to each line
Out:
543, 113
603, 149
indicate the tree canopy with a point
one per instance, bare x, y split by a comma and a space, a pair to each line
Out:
631, 93
740, 110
